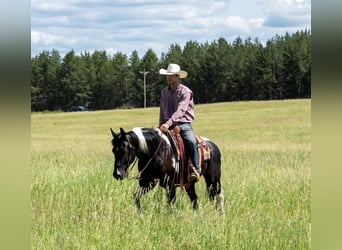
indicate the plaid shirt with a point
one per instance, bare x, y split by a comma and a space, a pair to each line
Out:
176, 105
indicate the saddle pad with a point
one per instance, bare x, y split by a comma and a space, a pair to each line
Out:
203, 148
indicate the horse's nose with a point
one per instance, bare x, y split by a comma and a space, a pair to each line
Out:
117, 175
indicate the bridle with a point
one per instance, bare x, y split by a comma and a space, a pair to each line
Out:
149, 161
135, 158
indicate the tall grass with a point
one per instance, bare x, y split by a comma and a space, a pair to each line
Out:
266, 151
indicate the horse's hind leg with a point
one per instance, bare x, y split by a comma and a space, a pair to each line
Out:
212, 177
213, 188
220, 201
215, 191
193, 196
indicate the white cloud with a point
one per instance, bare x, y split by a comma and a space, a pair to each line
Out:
51, 7
291, 13
139, 24
239, 24
44, 38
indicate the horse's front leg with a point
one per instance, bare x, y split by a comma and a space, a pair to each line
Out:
171, 194
140, 191
169, 184
137, 195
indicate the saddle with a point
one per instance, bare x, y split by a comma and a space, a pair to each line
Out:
178, 147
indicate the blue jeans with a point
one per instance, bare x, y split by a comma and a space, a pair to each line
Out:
190, 142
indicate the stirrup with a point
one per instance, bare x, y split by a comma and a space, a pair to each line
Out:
195, 171
194, 176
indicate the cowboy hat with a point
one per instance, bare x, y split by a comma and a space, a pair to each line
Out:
173, 69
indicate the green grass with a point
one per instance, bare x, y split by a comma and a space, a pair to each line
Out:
266, 162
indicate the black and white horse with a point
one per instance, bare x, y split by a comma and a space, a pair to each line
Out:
157, 163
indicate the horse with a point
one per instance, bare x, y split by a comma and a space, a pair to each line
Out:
158, 163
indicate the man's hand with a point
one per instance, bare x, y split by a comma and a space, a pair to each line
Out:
164, 127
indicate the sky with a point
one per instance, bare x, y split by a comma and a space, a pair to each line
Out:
128, 25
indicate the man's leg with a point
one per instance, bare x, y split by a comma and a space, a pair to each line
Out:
188, 136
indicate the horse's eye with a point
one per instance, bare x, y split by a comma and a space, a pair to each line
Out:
124, 148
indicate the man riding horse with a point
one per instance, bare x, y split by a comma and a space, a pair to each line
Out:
159, 159
177, 109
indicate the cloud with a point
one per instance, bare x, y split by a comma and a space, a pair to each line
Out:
237, 24
142, 24
287, 13
43, 38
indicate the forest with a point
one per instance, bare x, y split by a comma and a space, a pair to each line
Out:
218, 71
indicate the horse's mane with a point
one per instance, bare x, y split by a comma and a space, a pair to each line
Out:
147, 138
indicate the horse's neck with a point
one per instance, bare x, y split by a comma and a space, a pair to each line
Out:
133, 140
147, 142
136, 143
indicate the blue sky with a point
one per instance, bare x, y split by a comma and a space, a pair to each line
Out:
125, 26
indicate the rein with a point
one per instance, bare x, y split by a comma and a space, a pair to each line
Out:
149, 161
132, 165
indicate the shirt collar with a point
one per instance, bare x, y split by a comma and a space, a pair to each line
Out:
174, 87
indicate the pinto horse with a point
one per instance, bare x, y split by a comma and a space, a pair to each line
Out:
158, 163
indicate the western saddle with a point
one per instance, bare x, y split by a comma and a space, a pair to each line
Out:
181, 156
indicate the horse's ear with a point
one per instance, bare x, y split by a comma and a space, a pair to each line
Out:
122, 131
113, 133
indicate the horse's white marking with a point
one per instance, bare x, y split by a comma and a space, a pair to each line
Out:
175, 163
205, 139
144, 148
220, 201
142, 141
163, 136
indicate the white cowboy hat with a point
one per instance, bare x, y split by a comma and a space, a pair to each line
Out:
173, 69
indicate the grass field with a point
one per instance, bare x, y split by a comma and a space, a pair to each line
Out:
266, 177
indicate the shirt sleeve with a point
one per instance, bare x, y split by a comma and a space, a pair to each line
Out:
161, 109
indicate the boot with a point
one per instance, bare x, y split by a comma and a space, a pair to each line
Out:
195, 176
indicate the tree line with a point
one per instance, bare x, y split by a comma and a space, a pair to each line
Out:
217, 72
